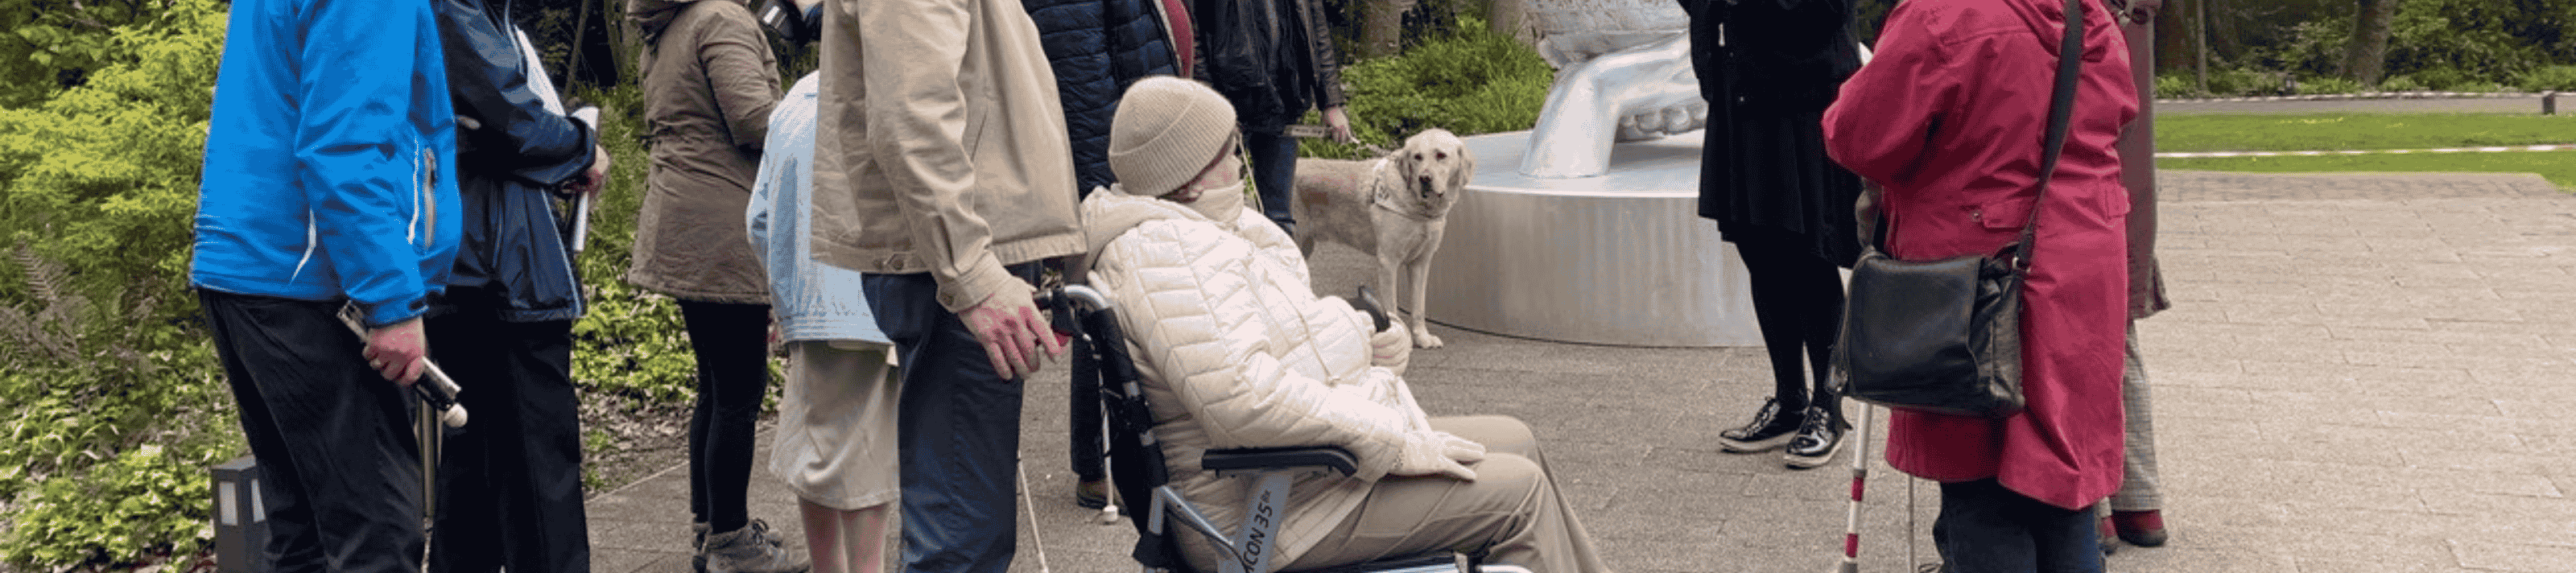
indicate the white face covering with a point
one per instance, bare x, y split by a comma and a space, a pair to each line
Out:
1220, 203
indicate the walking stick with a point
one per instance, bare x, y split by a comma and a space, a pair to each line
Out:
1860, 477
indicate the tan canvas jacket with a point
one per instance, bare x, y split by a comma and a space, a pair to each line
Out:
942, 146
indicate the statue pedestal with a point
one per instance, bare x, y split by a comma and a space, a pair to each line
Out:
1620, 259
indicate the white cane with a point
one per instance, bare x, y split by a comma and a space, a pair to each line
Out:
1860, 479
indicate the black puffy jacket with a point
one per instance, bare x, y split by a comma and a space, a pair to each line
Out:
508, 167
1097, 48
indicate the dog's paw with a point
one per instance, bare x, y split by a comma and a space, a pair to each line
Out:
1423, 339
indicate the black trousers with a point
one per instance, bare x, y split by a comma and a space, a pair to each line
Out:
1985, 528
340, 469
509, 482
1798, 304
732, 346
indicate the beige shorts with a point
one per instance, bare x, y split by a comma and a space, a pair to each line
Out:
836, 427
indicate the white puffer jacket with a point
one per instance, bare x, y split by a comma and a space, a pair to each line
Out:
1236, 351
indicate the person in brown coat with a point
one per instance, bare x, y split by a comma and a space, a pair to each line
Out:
709, 83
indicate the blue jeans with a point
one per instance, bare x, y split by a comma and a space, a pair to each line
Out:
957, 433
1985, 528
1274, 173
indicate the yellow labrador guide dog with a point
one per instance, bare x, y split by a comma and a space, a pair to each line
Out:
1393, 208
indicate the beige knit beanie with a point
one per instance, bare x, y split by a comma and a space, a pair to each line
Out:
1166, 131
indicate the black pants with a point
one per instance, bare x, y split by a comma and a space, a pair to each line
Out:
340, 469
1798, 304
732, 346
1090, 448
509, 482
1985, 528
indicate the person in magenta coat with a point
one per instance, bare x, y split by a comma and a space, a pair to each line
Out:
1948, 119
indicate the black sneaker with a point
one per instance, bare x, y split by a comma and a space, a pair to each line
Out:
1817, 439
1769, 429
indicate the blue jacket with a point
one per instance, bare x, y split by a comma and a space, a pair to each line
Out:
521, 152
811, 300
327, 157
1097, 47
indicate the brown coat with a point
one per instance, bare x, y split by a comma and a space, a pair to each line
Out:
709, 83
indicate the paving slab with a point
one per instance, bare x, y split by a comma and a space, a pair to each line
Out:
2364, 372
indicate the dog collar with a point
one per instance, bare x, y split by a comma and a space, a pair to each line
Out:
1384, 198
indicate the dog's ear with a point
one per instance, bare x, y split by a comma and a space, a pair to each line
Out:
1466, 167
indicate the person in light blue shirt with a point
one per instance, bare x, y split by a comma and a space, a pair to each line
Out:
836, 429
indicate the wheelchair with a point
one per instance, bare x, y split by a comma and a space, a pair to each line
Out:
1101, 360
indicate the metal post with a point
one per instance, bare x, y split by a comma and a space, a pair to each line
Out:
2548, 103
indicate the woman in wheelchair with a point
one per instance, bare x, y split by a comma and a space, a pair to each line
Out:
1234, 350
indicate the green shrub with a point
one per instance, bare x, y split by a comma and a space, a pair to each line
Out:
2547, 78
116, 400
2401, 84
2236, 82
630, 341
2175, 86
1470, 81
2328, 85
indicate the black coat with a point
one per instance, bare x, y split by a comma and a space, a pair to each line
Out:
509, 166
1768, 78
1273, 59
1097, 48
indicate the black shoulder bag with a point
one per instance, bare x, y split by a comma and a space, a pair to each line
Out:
1945, 336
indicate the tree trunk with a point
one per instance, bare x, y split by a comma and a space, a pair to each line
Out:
2368, 57
1382, 26
2200, 39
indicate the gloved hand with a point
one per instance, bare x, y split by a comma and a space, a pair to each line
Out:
1391, 348
1437, 452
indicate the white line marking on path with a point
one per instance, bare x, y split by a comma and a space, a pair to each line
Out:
2495, 149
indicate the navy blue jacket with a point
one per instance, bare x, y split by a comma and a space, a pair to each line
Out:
508, 168
1097, 48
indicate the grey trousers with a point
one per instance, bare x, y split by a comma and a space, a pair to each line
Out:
1511, 512
2140, 489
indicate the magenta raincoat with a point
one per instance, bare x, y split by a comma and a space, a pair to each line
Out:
1949, 118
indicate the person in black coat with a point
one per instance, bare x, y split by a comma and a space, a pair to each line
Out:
510, 483
1097, 48
1765, 179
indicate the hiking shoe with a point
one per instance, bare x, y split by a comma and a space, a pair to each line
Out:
1769, 429
1091, 493
698, 547
2140, 528
1817, 440
752, 549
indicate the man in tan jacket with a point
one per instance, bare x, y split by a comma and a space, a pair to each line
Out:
942, 172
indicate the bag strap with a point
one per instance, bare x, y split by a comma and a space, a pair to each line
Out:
2061, 112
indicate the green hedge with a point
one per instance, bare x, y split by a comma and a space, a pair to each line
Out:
1469, 81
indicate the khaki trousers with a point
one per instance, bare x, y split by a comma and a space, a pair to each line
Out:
1511, 513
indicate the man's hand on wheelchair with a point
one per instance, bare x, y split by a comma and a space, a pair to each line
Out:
1437, 452
1012, 331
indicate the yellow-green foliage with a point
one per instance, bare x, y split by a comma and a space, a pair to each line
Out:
115, 399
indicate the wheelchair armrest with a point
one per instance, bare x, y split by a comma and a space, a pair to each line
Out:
1254, 459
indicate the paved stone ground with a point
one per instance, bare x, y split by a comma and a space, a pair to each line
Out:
2362, 373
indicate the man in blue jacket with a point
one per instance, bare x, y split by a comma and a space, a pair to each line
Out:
326, 185
510, 483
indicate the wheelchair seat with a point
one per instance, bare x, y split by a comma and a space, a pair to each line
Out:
1138, 472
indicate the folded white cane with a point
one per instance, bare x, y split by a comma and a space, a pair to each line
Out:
435, 388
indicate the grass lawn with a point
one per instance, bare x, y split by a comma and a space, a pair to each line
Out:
2331, 132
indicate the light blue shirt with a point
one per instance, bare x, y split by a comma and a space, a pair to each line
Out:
812, 300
